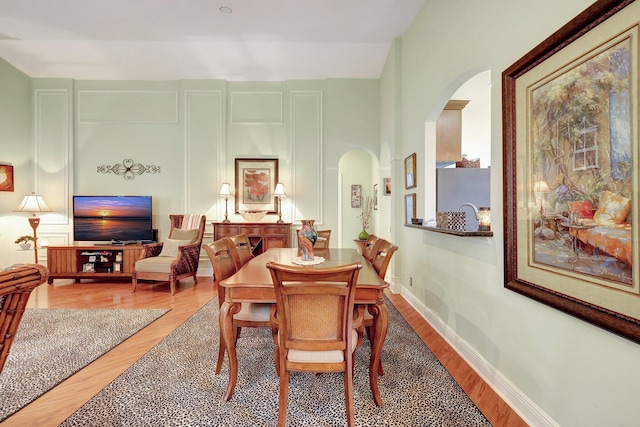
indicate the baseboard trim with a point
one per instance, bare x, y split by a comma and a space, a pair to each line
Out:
513, 396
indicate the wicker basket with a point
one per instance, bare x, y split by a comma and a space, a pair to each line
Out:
468, 163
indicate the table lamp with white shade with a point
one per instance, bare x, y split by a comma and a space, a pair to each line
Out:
280, 194
33, 203
541, 188
225, 191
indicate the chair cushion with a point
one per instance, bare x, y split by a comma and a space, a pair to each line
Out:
180, 234
155, 264
330, 356
170, 247
254, 312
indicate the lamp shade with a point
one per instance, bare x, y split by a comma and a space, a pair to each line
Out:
279, 190
225, 190
33, 203
541, 187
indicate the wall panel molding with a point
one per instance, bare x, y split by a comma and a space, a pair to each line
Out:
257, 108
203, 147
307, 146
53, 147
123, 106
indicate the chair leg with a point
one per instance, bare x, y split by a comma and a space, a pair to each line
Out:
172, 285
348, 393
220, 355
283, 400
276, 359
134, 281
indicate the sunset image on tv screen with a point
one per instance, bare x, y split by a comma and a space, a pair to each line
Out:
108, 206
104, 218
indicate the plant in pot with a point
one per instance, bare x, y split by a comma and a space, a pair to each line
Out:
24, 241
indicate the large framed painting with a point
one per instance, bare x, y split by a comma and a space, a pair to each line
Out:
570, 117
6, 178
255, 182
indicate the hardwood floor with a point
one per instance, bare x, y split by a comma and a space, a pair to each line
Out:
63, 400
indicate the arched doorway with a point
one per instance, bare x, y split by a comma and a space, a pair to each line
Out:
356, 168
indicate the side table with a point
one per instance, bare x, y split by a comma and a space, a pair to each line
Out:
575, 242
360, 244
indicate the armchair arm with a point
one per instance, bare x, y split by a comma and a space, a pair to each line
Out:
151, 250
188, 258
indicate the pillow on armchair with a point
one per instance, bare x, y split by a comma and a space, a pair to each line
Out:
170, 247
583, 207
613, 209
180, 234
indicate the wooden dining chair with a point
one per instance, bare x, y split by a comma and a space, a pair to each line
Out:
382, 257
384, 250
323, 239
242, 249
223, 261
313, 325
370, 247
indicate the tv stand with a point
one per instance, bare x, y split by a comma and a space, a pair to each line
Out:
107, 261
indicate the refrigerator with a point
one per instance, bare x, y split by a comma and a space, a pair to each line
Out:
457, 186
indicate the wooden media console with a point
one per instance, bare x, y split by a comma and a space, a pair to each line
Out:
92, 262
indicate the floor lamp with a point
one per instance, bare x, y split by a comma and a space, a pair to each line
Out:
542, 188
225, 191
280, 194
33, 203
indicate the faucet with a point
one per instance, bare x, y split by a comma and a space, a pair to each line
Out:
474, 207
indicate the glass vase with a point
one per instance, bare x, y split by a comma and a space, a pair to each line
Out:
307, 237
363, 234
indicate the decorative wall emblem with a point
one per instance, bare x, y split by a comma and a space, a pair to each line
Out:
128, 168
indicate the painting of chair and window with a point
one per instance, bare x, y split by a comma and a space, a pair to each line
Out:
581, 167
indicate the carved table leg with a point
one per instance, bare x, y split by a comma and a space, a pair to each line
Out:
381, 324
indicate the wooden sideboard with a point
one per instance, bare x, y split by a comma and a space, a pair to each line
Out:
92, 262
261, 235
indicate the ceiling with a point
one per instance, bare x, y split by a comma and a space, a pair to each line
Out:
260, 40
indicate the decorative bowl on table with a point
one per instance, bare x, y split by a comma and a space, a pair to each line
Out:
253, 216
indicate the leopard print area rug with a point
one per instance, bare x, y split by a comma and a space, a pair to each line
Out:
175, 385
52, 344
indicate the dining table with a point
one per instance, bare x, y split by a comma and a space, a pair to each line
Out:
252, 283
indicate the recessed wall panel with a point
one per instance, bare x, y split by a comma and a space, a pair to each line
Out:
306, 112
127, 106
53, 151
256, 108
203, 135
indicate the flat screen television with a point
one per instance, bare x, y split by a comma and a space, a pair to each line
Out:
125, 219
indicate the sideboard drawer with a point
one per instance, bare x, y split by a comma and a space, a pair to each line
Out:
250, 230
226, 230
275, 230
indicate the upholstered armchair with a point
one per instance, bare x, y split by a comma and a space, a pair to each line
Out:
16, 284
177, 257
